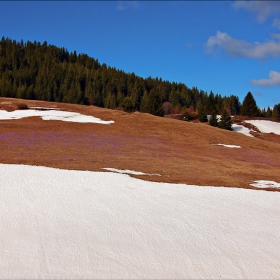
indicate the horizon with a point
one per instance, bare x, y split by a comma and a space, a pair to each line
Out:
229, 48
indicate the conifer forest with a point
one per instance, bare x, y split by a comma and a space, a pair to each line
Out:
39, 71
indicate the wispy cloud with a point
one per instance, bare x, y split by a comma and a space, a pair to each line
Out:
258, 93
242, 48
276, 23
276, 36
189, 46
273, 80
263, 9
124, 5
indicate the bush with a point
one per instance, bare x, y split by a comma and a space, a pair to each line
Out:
22, 106
186, 116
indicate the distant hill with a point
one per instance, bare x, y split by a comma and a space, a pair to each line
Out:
181, 152
38, 71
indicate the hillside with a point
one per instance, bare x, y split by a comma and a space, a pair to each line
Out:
181, 152
45, 72
79, 224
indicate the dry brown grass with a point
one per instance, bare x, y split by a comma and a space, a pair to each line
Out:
181, 152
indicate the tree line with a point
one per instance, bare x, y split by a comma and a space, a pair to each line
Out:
34, 70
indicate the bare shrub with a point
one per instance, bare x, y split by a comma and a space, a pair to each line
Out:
22, 106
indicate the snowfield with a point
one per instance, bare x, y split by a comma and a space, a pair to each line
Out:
266, 126
241, 129
65, 224
227, 146
263, 125
265, 184
132, 172
51, 115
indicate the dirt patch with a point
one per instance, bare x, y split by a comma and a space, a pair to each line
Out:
181, 152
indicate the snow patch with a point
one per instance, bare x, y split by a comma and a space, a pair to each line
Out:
266, 126
241, 129
228, 146
126, 171
51, 115
42, 108
217, 116
265, 184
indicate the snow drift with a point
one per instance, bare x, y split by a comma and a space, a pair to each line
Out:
63, 224
51, 115
266, 126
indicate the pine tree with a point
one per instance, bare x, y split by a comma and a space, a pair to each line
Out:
136, 97
202, 117
249, 106
111, 101
155, 103
127, 105
225, 121
276, 112
210, 104
213, 120
268, 113
144, 106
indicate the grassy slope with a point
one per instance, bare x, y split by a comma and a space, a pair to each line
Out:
179, 151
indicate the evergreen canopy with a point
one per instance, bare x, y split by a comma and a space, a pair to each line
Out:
46, 72
225, 121
276, 112
249, 106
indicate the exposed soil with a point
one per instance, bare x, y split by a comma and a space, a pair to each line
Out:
181, 152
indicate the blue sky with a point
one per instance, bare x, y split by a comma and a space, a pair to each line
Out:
229, 47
